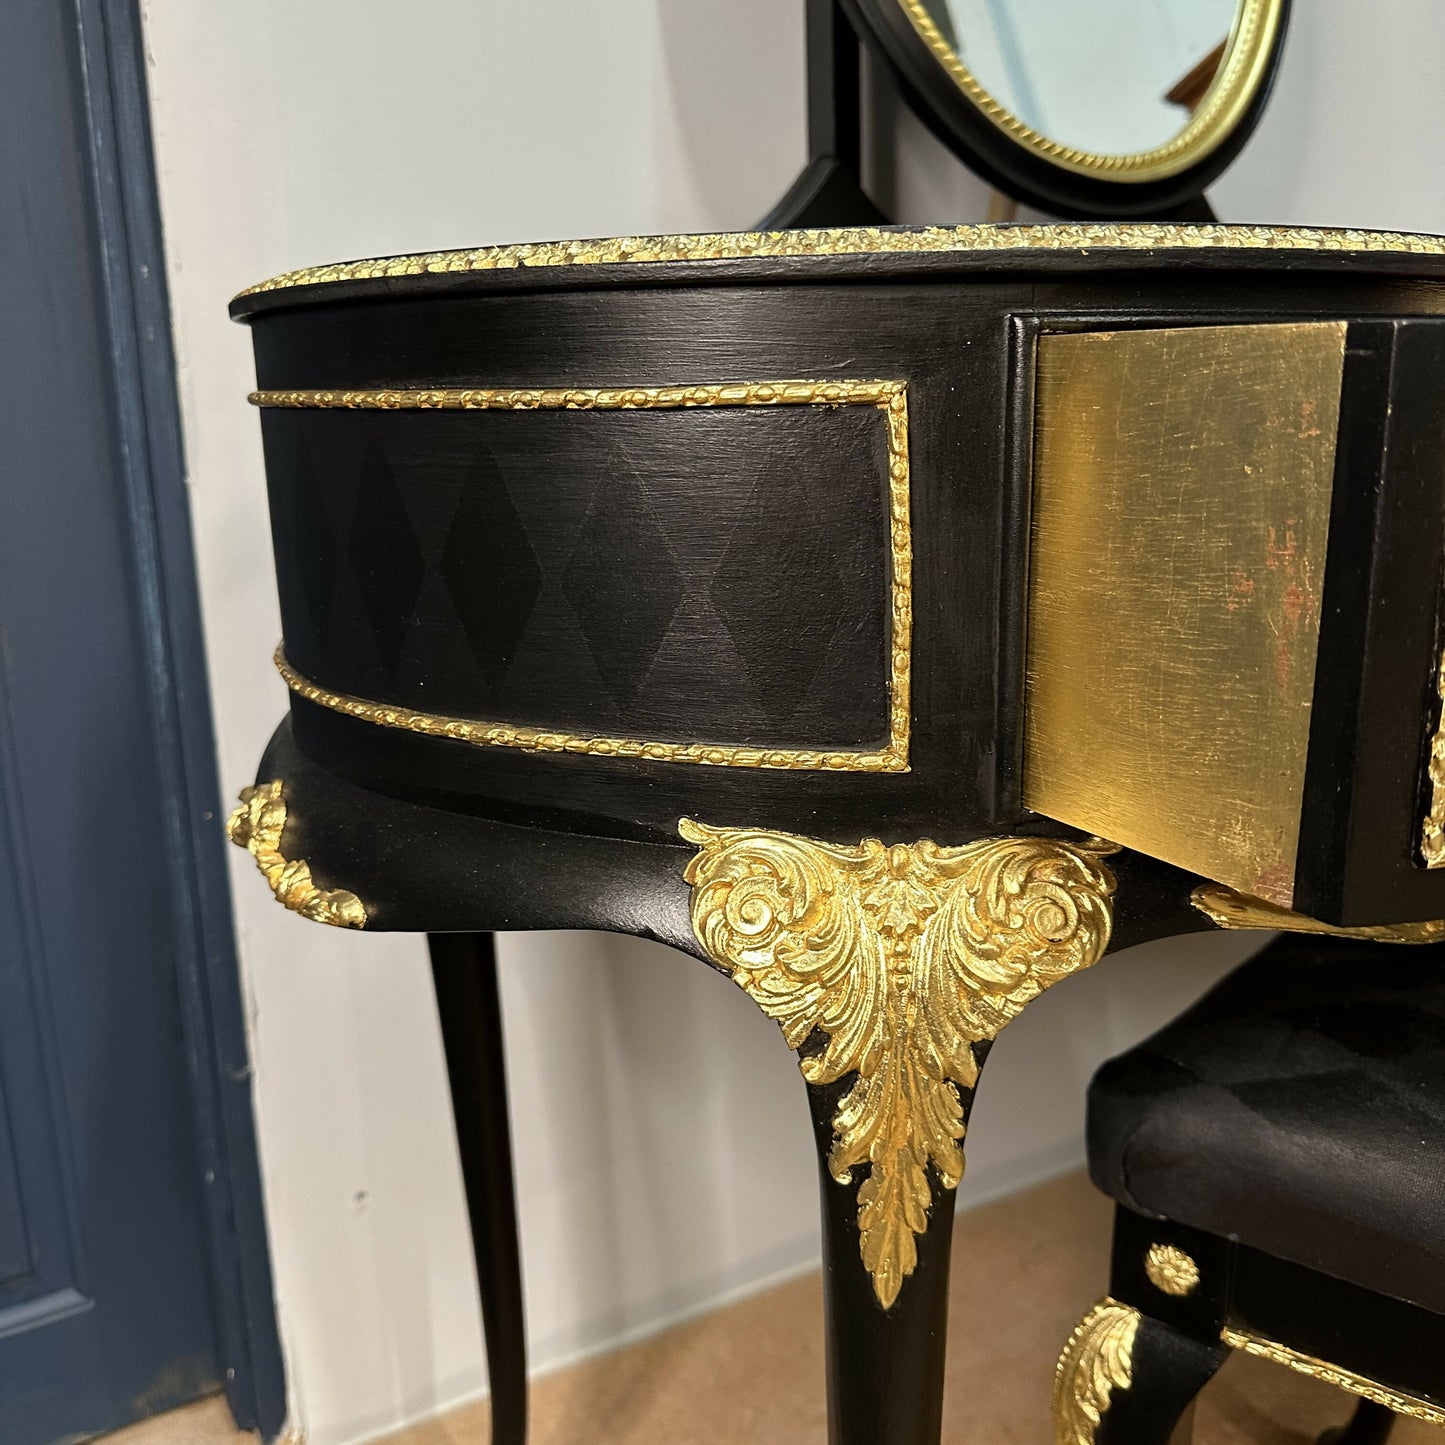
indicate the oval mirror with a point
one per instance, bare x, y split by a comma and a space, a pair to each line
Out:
1113, 108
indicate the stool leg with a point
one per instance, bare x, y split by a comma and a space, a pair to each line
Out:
1369, 1425
884, 1366
464, 972
1127, 1379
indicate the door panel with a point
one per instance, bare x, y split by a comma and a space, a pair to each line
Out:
106, 1301
37, 1251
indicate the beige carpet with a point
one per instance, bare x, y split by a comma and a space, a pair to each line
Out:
207, 1422
1024, 1270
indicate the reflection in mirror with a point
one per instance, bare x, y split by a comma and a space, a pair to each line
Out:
1115, 77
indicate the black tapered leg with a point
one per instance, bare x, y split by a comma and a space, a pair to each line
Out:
1369, 1425
464, 970
885, 1367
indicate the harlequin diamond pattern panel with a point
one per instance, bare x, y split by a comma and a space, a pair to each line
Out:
708, 575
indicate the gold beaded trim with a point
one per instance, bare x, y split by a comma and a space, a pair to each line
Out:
890, 397
1401, 1404
862, 241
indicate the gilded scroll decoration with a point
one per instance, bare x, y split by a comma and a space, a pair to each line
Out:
1097, 1361
905, 957
257, 826
1228, 909
1171, 1270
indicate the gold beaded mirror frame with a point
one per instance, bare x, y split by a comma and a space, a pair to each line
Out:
1049, 118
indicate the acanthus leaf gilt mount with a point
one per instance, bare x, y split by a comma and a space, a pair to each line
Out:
904, 957
1097, 1361
257, 826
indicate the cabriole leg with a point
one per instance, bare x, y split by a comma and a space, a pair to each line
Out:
464, 970
891, 969
884, 1365
1127, 1379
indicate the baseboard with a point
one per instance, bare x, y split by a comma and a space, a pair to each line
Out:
615, 1329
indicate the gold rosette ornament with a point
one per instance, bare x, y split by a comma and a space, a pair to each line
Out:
904, 957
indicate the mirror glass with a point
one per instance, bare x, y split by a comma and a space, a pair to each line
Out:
1112, 77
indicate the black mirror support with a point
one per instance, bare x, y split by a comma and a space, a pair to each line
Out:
829, 189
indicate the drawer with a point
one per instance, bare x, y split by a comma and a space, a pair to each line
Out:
1235, 575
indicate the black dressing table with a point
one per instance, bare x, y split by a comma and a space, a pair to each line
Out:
897, 620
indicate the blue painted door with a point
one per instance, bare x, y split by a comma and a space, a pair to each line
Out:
107, 1306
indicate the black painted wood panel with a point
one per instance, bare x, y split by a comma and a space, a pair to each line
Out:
708, 574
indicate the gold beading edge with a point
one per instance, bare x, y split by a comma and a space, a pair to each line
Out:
859, 241
1365, 1388
1225, 102
890, 397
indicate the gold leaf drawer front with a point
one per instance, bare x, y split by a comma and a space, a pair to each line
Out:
1181, 514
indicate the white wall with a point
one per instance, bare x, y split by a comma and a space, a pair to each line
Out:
663, 1150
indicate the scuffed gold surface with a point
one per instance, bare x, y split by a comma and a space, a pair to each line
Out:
1432, 831
1182, 488
1367, 1389
1097, 1360
904, 957
859, 241
1224, 104
1228, 909
889, 397
1171, 1270
256, 826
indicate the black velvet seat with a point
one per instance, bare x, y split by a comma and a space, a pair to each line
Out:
1298, 1108
1278, 1156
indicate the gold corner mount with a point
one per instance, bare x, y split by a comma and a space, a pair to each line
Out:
1227, 909
257, 826
1097, 1360
1171, 1271
905, 957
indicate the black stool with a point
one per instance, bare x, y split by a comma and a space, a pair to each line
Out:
1277, 1154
